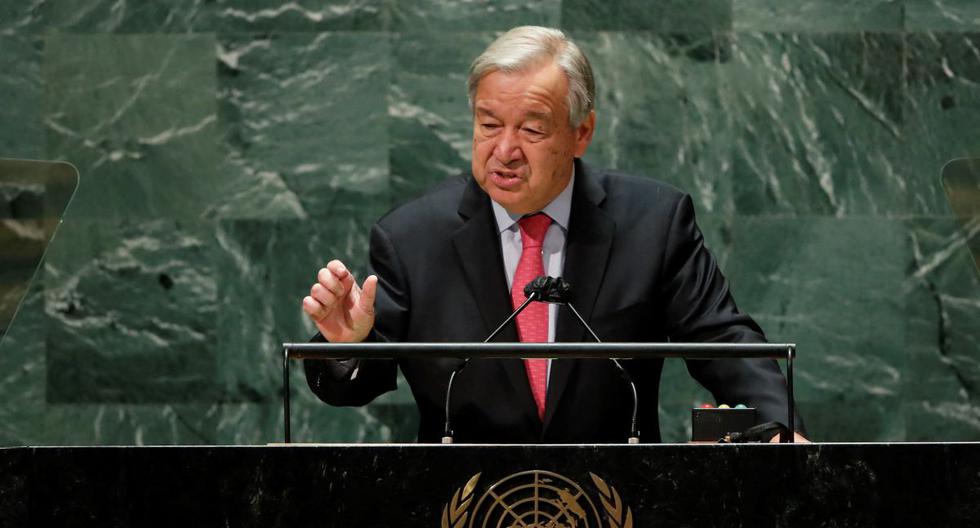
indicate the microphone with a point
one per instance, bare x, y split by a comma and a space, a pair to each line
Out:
549, 289
532, 296
556, 291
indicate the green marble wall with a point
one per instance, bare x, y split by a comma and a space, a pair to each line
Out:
227, 149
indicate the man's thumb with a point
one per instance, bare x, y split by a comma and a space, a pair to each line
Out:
368, 292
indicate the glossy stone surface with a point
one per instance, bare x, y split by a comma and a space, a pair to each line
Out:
136, 115
849, 360
432, 17
666, 16
428, 110
304, 125
806, 109
942, 15
135, 325
228, 16
819, 15
662, 112
943, 72
20, 80
942, 335
229, 149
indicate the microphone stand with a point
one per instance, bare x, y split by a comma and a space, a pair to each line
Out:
634, 433
448, 432
549, 290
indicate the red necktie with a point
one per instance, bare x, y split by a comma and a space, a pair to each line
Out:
532, 323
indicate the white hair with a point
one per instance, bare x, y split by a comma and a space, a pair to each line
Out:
527, 46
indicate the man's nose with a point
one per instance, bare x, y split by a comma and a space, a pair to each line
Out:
508, 148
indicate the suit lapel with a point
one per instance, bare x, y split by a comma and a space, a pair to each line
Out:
477, 245
590, 238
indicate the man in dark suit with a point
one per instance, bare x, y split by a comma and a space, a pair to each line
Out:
446, 266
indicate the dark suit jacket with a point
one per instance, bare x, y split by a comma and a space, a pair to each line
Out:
639, 271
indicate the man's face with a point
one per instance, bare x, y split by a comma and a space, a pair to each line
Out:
523, 145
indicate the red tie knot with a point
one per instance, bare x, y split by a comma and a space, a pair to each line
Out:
533, 228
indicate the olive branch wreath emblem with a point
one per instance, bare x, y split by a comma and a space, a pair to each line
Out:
456, 513
612, 504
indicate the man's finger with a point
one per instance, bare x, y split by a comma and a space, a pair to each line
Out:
342, 274
323, 296
332, 282
313, 308
368, 292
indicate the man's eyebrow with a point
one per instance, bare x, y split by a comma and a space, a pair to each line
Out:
543, 116
485, 111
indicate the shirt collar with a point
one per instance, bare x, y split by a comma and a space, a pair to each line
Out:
558, 209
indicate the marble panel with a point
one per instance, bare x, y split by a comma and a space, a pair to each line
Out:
22, 373
833, 287
941, 111
818, 15
22, 134
943, 335
430, 124
664, 16
136, 115
265, 269
19, 18
122, 16
661, 111
818, 124
426, 16
945, 15
131, 313
303, 123
126, 424
252, 16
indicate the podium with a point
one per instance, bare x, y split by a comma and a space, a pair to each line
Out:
860, 485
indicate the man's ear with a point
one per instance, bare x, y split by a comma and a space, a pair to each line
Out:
583, 134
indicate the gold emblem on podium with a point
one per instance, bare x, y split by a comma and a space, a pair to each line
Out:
535, 499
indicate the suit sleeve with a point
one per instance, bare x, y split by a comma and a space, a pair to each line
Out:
355, 381
700, 308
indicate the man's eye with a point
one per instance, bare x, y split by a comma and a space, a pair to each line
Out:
533, 131
489, 125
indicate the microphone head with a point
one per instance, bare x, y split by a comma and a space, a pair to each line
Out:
549, 290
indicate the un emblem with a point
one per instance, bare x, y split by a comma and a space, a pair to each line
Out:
535, 499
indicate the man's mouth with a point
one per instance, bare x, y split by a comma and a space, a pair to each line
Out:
504, 174
506, 180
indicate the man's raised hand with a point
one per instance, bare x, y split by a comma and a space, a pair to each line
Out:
341, 310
